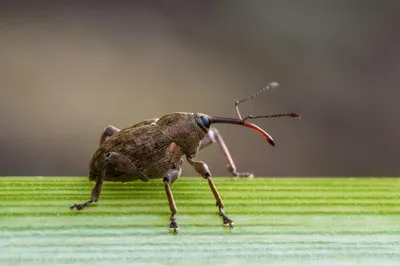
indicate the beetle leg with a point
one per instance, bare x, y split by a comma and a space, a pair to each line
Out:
214, 136
114, 162
202, 169
108, 132
169, 177
121, 164
95, 191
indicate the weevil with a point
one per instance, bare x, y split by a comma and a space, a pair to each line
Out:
153, 149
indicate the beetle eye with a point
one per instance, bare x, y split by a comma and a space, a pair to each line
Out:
205, 121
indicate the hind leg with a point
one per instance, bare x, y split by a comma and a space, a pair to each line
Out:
108, 132
114, 162
214, 136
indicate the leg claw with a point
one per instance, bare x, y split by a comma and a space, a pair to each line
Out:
80, 206
174, 227
228, 222
77, 206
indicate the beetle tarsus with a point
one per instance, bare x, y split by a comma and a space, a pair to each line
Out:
80, 207
174, 226
246, 174
227, 222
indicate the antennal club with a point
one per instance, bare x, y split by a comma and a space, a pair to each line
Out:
270, 86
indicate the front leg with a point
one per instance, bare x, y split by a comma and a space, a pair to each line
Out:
202, 169
169, 177
213, 136
114, 162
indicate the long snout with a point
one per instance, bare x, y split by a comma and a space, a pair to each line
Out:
226, 120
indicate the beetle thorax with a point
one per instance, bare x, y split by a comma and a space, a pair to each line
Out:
182, 129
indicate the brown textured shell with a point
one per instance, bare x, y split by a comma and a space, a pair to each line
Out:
154, 146
183, 129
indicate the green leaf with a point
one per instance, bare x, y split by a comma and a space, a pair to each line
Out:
278, 221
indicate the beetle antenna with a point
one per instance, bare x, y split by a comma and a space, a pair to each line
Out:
270, 86
293, 115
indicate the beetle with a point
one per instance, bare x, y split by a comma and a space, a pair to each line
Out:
153, 149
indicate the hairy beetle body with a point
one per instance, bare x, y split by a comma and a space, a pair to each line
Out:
151, 146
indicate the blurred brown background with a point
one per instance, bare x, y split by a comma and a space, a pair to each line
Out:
68, 69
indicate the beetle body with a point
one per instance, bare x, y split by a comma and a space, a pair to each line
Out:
151, 146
